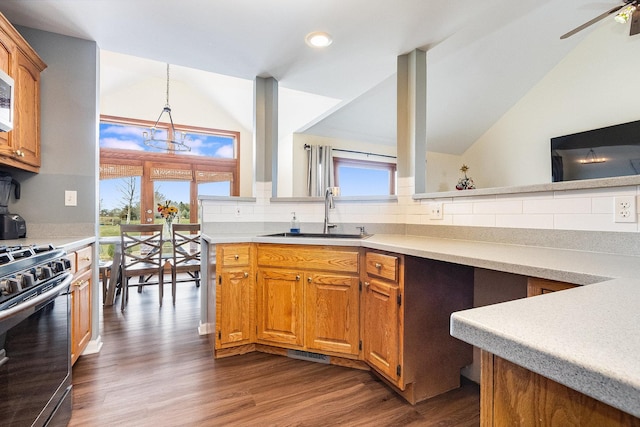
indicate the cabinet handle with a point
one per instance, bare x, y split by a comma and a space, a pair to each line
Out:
19, 153
236, 257
297, 277
246, 274
378, 265
86, 258
366, 284
80, 283
309, 279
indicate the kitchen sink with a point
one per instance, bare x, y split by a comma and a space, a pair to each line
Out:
320, 235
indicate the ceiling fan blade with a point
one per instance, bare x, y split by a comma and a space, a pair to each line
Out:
635, 23
593, 21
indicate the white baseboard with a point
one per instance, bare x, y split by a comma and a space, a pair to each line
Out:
94, 346
205, 328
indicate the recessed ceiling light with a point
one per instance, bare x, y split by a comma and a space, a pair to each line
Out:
318, 39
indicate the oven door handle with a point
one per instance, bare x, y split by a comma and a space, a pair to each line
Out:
45, 297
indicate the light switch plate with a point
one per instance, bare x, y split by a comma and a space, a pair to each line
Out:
70, 198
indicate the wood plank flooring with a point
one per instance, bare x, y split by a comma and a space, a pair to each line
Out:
155, 370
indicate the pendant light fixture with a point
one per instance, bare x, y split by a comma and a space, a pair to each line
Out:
173, 141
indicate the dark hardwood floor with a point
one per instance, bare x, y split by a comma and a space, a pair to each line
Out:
155, 370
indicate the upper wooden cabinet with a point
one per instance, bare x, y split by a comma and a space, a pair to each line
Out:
20, 147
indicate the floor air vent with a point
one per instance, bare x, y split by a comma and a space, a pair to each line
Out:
311, 357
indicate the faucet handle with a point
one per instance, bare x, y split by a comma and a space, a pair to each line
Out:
362, 232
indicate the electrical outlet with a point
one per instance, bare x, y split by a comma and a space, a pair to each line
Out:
435, 210
625, 209
237, 212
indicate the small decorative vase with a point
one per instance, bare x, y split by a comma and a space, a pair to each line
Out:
167, 227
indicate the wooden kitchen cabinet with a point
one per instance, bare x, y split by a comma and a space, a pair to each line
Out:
382, 314
308, 298
80, 289
512, 395
235, 295
536, 286
407, 305
20, 147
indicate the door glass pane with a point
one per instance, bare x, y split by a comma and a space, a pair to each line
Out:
177, 193
119, 203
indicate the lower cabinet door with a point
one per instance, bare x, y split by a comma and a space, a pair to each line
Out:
332, 310
234, 295
80, 314
280, 307
381, 327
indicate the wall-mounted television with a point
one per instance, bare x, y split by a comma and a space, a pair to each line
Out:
598, 153
6, 102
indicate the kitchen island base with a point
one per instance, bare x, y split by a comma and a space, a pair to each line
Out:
513, 395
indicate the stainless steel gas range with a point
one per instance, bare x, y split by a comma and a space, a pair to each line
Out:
35, 360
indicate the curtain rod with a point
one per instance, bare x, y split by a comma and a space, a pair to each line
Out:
307, 146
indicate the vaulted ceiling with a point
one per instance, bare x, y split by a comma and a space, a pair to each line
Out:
482, 56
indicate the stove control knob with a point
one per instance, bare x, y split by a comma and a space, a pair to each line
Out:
14, 285
45, 273
67, 263
27, 280
4, 288
58, 266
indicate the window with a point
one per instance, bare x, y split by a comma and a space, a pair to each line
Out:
145, 176
363, 177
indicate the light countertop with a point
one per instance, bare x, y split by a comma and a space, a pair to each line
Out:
585, 338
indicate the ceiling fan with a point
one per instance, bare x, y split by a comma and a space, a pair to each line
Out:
629, 10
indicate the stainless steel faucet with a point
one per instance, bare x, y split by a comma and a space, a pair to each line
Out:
328, 204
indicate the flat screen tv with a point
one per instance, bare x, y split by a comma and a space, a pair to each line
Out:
6, 102
598, 153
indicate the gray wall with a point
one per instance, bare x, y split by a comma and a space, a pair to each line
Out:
69, 134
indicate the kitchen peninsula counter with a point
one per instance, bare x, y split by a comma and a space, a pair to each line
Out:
585, 338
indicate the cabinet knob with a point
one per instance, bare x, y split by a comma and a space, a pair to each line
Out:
246, 274
309, 279
297, 277
19, 153
366, 284
236, 257
378, 265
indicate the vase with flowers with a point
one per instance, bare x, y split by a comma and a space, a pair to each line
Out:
168, 212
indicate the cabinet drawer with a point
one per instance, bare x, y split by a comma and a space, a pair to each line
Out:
381, 265
309, 258
234, 255
84, 258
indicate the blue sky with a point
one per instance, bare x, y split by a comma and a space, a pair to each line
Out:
130, 137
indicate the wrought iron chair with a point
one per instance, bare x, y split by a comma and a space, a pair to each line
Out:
185, 239
141, 257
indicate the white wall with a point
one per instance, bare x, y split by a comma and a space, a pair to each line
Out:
592, 87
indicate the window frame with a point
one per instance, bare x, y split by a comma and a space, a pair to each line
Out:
148, 160
365, 164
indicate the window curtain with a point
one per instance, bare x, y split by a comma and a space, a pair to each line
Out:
320, 169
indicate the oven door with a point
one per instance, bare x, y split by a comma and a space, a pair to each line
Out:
35, 360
